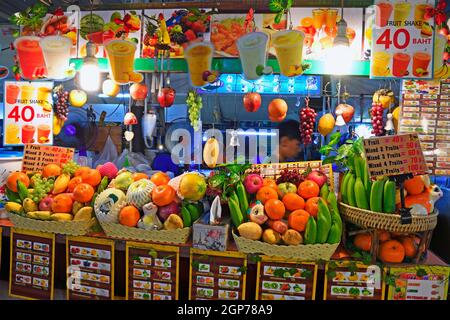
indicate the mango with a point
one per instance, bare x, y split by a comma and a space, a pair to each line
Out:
84, 214
13, 207
173, 222
250, 230
271, 236
61, 217
292, 237
211, 152
29, 205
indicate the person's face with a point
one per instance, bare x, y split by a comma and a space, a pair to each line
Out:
289, 148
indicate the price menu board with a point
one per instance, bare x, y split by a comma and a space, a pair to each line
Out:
90, 268
217, 275
418, 283
36, 157
352, 281
284, 280
152, 271
425, 110
402, 40
394, 155
31, 264
28, 113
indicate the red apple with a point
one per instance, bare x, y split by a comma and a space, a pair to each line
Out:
138, 91
46, 204
166, 97
347, 111
252, 101
253, 182
318, 177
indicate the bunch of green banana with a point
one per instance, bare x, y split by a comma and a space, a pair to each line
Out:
335, 233
242, 197
323, 222
237, 217
191, 212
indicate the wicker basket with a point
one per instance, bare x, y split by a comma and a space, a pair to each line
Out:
304, 252
115, 230
70, 228
385, 221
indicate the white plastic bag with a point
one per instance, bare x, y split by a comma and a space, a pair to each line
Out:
108, 154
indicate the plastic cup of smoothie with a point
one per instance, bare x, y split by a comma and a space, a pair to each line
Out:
252, 52
56, 50
288, 46
199, 58
30, 55
12, 92
121, 60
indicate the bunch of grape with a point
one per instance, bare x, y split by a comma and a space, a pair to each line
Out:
41, 187
70, 167
307, 121
292, 176
377, 119
61, 106
194, 103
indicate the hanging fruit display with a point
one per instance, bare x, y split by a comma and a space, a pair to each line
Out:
383, 96
77, 98
138, 91
194, 103
377, 119
166, 97
347, 111
61, 106
211, 152
252, 101
326, 124
277, 110
307, 122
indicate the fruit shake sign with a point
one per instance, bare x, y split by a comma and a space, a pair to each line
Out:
28, 113
402, 39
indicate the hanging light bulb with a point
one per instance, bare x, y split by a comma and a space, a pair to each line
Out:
90, 72
338, 59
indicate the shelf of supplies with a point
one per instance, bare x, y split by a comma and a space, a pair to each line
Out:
229, 65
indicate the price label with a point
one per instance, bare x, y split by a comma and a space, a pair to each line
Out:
36, 157
28, 110
402, 40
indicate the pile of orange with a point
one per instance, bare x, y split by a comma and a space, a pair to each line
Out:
129, 216
266, 193
51, 170
89, 176
83, 192
277, 110
163, 195
11, 182
308, 189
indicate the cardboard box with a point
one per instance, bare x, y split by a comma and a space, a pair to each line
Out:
210, 237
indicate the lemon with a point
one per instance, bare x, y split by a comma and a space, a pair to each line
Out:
326, 124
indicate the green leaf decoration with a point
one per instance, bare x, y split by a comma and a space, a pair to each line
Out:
135, 258
329, 160
276, 5
331, 274
254, 258
366, 258
195, 264
278, 17
307, 274
243, 269
421, 272
325, 150
152, 253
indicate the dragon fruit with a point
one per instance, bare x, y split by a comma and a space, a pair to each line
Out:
108, 169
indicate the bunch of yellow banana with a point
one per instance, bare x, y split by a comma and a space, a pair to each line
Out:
58, 124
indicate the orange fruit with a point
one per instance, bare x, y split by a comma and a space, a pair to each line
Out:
129, 216
266, 193
73, 183
308, 189
11, 182
275, 209
81, 171
138, 176
51, 170
363, 241
270, 183
277, 108
62, 203
312, 206
391, 251
415, 185
384, 236
306, 22
83, 192
293, 201
163, 195
160, 178
92, 177
409, 245
298, 219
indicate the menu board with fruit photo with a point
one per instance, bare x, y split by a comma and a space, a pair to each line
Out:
90, 268
152, 272
425, 110
350, 280
31, 265
217, 275
279, 279
103, 26
174, 29
418, 283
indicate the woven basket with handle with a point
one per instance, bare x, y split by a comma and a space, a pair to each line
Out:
70, 228
115, 230
385, 221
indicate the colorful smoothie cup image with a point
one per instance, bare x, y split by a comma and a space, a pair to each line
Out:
288, 46
43, 133
319, 18
380, 64
43, 95
383, 12
121, 61
28, 133
252, 52
421, 61
29, 53
26, 94
12, 92
401, 13
330, 18
419, 14
199, 58
56, 50
12, 133
400, 64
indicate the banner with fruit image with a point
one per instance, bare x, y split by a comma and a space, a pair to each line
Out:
320, 29
176, 28
402, 40
103, 26
28, 113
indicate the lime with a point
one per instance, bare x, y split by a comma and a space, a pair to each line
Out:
259, 69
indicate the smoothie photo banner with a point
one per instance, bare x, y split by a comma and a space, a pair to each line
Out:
28, 113
402, 40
